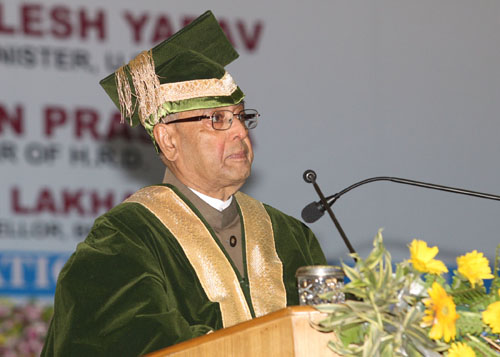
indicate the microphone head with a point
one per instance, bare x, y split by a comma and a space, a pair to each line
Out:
312, 212
309, 176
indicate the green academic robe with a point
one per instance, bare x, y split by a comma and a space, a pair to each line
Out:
152, 273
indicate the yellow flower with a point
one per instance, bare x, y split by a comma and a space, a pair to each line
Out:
440, 313
460, 349
491, 316
422, 258
475, 267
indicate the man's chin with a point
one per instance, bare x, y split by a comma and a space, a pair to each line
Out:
239, 178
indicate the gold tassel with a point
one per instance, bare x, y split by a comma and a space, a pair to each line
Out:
146, 85
124, 94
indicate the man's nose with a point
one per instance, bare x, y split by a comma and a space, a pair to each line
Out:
238, 128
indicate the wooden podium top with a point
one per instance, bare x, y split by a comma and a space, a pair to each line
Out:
286, 332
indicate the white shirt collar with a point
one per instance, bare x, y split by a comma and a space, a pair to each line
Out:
219, 205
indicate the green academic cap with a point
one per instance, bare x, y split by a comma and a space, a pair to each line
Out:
184, 72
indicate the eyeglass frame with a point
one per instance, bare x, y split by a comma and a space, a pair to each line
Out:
201, 117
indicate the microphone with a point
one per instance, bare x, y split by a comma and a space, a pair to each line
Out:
315, 210
312, 212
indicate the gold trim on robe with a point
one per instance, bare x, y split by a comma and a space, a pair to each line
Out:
265, 269
213, 269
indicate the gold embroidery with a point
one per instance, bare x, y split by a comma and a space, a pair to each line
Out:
213, 87
214, 271
265, 269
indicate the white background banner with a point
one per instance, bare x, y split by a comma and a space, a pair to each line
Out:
351, 89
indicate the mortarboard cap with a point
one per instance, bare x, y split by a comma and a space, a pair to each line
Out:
184, 72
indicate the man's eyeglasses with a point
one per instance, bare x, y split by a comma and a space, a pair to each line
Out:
223, 119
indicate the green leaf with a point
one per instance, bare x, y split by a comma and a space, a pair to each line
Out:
480, 347
469, 323
351, 273
353, 333
476, 298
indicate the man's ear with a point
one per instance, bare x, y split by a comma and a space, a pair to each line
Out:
166, 139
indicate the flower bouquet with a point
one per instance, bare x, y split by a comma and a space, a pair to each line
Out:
410, 310
23, 328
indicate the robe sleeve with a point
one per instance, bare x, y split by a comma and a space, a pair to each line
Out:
111, 300
317, 257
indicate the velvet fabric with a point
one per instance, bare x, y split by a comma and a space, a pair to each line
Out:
129, 288
187, 66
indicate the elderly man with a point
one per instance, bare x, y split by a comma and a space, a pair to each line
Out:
177, 260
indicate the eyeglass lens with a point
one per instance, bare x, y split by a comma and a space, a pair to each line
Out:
223, 119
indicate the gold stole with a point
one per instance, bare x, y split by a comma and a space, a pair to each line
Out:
213, 269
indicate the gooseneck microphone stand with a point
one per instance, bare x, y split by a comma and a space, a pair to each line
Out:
331, 199
315, 210
310, 177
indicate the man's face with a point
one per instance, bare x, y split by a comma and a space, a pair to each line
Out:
212, 159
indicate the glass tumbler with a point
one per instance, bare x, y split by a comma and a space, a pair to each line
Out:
315, 280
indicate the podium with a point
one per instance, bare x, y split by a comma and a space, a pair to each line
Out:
286, 332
